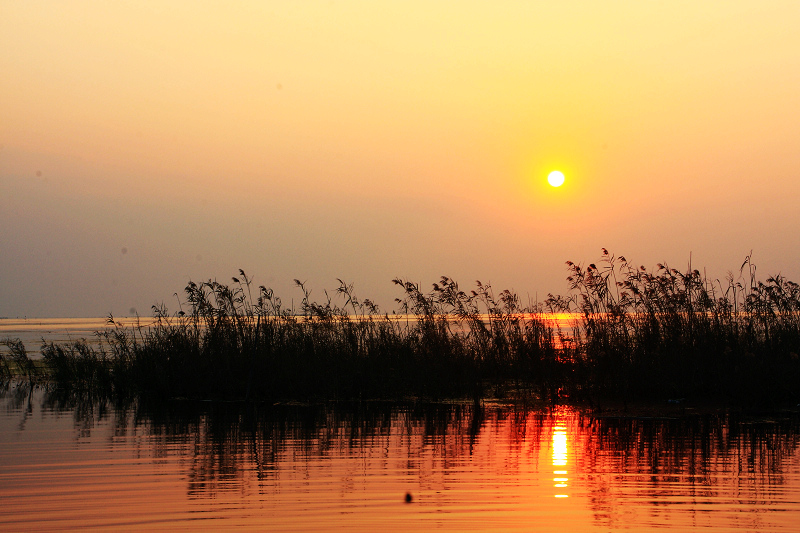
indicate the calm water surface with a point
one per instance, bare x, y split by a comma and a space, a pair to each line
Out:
76, 463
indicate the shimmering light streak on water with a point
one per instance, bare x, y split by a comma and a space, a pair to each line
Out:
70, 463
560, 453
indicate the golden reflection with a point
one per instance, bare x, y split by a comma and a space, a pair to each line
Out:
560, 460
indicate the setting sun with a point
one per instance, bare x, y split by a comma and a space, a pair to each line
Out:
556, 178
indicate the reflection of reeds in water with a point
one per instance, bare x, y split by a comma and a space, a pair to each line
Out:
641, 335
225, 445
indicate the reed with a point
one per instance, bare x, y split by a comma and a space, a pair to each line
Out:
77, 363
665, 333
641, 335
235, 341
17, 362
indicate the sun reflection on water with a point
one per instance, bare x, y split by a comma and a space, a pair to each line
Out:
560, 460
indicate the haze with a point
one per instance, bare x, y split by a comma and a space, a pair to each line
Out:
143, 144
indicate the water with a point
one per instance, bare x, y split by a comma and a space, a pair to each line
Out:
76, 463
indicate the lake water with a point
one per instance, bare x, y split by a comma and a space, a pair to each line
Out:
70, 463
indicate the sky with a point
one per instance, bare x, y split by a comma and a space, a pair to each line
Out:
146, 144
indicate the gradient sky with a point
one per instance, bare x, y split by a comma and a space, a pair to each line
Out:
143, 144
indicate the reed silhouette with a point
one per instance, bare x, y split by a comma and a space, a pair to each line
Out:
668, 333
639, 335
20, 363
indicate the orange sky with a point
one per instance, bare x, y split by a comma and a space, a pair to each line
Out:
367, 140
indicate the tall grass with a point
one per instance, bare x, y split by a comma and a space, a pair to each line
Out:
235, 341
641, 335
17, 362
669, 333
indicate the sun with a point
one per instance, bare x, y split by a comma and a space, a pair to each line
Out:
556, 178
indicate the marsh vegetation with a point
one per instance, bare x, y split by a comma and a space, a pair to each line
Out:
638, 334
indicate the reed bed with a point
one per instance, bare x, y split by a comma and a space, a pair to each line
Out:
640, 335
234, 341
665, 333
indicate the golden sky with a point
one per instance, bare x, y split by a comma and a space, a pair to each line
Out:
146, 143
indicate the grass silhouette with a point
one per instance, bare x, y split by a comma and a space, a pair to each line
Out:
668, 333
640, 335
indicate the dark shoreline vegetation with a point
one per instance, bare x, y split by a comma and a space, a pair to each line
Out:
639, 336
